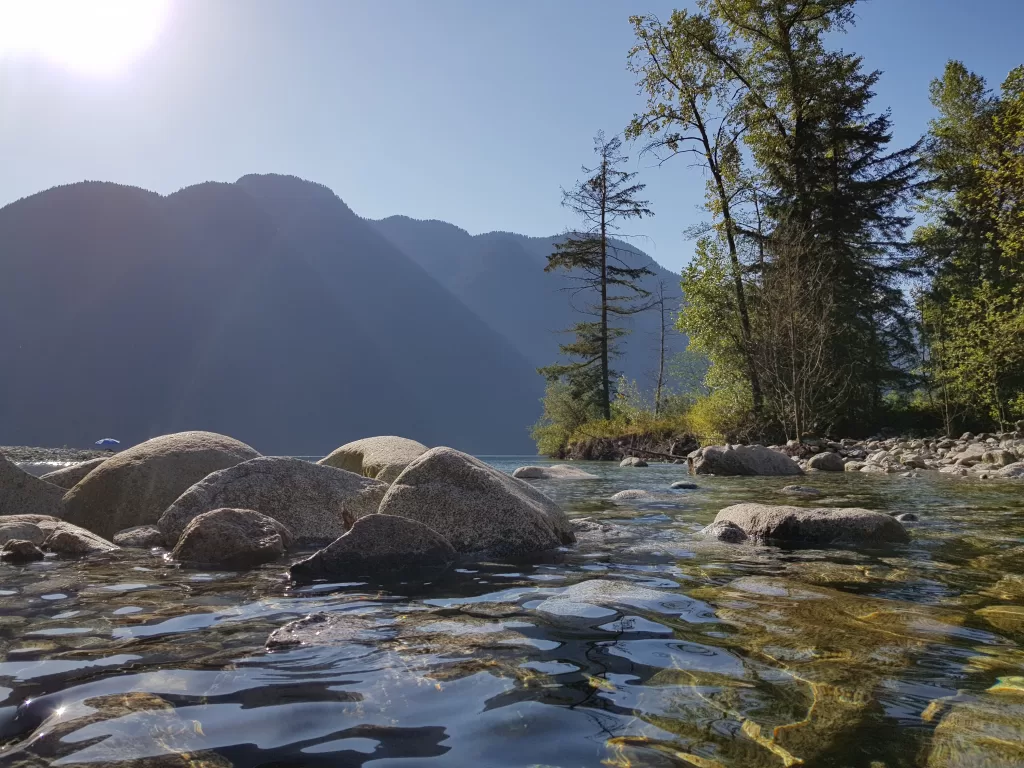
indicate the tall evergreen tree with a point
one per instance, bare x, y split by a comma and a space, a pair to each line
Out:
605, 277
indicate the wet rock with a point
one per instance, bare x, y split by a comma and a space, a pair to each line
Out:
854, 466
232, 538
980, 731
590, 531
317, 503
683, 485
68, 477
633, 494
819, 525
743, 460
382, 458
475, 507
826, 462
632, 461
1008, 618
134, 487
379, 546
875, 469
23, 494
554, 472
906, 517
803, 491
53, 534
580, 599
20, 551
724, 531
139, 537
327, 629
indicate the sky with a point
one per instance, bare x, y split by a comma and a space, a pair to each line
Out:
476, 112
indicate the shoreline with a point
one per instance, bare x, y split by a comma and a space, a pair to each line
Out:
33, 454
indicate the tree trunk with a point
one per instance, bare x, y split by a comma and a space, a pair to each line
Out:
661, 358
606, 395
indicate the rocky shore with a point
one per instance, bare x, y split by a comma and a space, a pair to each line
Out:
27, 453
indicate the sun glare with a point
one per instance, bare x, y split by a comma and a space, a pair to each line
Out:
91, 36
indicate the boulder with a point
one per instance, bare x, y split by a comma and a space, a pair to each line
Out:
743, 460
139, 537
632, 461
20, 551
854, 466
1012, 470
382, 458
23, 494
827, 462
554, 472
135, 486
818, 525
379, 546
68, 477
906, 517
1000, 458
232, 538
475, 507
680, 485
724, 531
53, 534
633, 494
317, 503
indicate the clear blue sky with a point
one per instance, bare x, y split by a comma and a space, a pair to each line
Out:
471, 111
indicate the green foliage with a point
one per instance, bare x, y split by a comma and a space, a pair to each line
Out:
721, 416
564, 414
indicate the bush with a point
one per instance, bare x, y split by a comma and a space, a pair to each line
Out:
721, 416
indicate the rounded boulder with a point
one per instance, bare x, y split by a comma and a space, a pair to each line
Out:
382, 458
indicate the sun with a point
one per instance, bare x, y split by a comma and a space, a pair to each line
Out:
90, 36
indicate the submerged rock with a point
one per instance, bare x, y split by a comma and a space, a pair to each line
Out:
23, 494
906, 517
134, 487
232, 538
981, 731
68, 477
315, 502
379, 546
633, 494
819, 525
826, 462
632, 461
580, 599
554, 472
724, 531
475, 507
803, 491
743, 460
680, 485
53, 535
382, 458
140, 537
328, 629
20, 551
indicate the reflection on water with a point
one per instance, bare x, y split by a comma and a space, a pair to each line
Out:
642, 646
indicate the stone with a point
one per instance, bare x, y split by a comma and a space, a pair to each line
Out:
135, 486
818, 525
580, 599
632, 494
379, 546
826, 462
1000, 458
1012, 470
382, 458
683, 485
804, 491
232, 538
743, 460
980, 731
68, 477
20, 551
140, 537
53, 534
475, 507
23, 494
724, 531
874, 469
632, 461
906, 517
328, 629
854, 466
554, 472
317, 503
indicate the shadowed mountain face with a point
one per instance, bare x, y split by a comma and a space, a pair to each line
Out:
263, 309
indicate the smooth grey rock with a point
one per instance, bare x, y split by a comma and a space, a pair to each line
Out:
1012, 470
553, 472
315, 502
20, 551
803, 491
724, 531
818, 525
382, 458
743, 460
68, 477
232, 538
635, 494
135, 486
906, 517
475, 507
1000, 458
328, 629
854, 466
632, 461
140, 537
379, 546
53, 534
683, 485
826, 462
23, 494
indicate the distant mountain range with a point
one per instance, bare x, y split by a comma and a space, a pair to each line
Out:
267, 310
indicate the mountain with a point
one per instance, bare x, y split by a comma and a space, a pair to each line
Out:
264, 309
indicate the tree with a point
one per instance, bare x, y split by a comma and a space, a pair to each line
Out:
598, 263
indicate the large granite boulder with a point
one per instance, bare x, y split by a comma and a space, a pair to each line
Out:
53, 535
826, 462
632, 461
1012, 470
553, 472
475, 507
817, 525
382, 458
135, 486
379, 546
743, 460
316, 502
140, 537
232, 538
68, 477
23, 494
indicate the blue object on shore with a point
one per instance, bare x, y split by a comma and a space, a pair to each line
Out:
107, 442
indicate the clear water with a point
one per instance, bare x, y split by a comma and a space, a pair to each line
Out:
750, 656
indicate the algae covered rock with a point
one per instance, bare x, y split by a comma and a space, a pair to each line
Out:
23, 494
68, 477
743, 460
232, 538
475, 507
382, 458
134, 487
553, 472
817, 525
